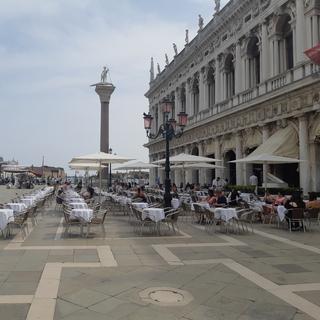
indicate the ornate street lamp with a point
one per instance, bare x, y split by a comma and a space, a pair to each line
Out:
168, 130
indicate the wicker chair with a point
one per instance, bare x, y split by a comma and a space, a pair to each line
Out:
313, 216
70, 222
296, 215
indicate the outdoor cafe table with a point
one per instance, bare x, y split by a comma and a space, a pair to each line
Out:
6, 216
281, 210
225, 214
154, 214
75, 200
28, 202
78, 205
140, 205
83, 214
16, 207
201, 204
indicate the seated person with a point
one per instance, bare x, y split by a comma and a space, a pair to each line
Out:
88, 194
268, 199
175, 191
280, 199
313, 202
221, 199
234, 198
294, 203
211, 199
140, 195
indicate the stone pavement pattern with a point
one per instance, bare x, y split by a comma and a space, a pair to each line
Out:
271, 274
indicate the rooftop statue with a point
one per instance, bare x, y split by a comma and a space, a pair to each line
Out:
104, 75
217, 7
201, 22
187, 37
175, 49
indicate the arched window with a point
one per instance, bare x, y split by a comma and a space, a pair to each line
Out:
230, 79
195, 95
253, 53
211, 87
284, 48
183, 99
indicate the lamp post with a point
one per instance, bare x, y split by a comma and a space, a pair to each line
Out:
168, 130
110, 173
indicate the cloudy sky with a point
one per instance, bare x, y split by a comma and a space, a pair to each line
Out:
52, 50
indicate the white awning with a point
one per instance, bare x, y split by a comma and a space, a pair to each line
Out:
283, 143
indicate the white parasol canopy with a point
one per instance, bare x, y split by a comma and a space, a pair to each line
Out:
266, 159
85, 166
186, 158
197, 166
14, 168
139, 165
100, 159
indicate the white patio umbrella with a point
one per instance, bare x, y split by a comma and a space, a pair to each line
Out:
203, 165
139, 165
14, 168
101, 159
184, 158
266, 159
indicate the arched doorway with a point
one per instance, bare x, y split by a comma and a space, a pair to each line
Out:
231, 169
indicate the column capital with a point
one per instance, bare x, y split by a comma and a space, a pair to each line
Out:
104, 91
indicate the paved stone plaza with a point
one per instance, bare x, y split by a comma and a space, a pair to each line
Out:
271, 274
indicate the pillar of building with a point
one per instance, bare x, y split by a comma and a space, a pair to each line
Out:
239, 155
238, 69
265, 137
177, 99
264, 53
218, 85
218, 156
304, 150
315, 30
202, 90
189, 99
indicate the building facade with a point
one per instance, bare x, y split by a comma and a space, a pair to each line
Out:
245, 81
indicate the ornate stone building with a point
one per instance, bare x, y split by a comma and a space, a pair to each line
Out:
245, 82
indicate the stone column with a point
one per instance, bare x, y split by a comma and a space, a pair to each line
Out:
152, 174
202, 172
304, 150
264, 53
238, 69
315, 30
187, 173
177, 102
218, 85
189, 99
315, 166
239, 155
218, 156
104, 91
201, 91
265, 137
300, 32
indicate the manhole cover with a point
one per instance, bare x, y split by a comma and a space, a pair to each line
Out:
166, 297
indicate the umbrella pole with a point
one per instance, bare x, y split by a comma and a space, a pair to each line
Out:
100, 182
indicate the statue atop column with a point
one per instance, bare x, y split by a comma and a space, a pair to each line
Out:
187, 37
175, 49
218, 5
104, 75
201, 22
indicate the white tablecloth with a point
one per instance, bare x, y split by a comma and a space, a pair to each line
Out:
175, 203
225, 214
201, 204
155, 214
85, 214
78, 205
28, 202
16, 207
75, 200
6, 216
281, 210
140, 205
